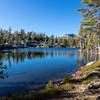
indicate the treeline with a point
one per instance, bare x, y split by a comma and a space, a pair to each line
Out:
89, 35
15, 38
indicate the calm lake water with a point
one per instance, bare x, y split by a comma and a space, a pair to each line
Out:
31, 69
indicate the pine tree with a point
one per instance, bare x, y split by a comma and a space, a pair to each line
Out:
91, 16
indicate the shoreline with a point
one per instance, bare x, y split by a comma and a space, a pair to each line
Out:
80, 50
68, 89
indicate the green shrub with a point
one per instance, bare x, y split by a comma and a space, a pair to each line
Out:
66, 79
87, 81
68, 86
49, 85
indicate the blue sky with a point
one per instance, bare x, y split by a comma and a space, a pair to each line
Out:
56, 17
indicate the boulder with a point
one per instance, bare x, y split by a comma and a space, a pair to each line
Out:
90, 63
94, 85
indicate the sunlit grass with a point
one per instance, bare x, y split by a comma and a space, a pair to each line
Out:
68, 86
87, 81
94, 67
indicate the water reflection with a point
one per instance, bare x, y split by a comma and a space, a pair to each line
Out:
3, 71
20, 55
33, 68
85, 57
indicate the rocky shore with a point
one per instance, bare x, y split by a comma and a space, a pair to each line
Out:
86, 83
89, 91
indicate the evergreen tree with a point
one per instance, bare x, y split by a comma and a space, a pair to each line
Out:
91, 16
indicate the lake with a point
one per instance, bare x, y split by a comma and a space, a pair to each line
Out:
31, 68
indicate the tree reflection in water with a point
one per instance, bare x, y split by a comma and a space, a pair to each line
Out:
20, 55
85, 57
3, 71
